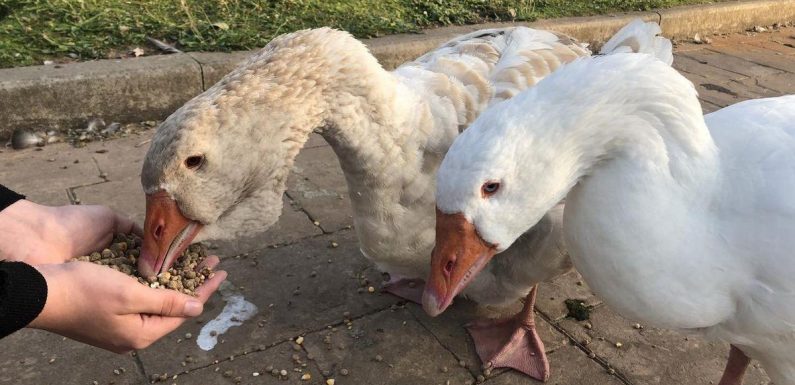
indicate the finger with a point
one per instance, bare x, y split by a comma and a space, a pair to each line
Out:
157, 326
211, 261
154, 327
138, 230
125, 225
162, 302
209, 286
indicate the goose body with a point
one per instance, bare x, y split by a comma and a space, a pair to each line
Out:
390, 131
676, 219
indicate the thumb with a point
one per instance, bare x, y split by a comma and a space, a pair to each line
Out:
168, 303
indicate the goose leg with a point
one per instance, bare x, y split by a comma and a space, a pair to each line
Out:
513, 342
408, 289
735, 367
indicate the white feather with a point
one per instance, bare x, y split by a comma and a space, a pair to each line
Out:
675, 219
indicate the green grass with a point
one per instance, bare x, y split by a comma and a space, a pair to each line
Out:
35, 30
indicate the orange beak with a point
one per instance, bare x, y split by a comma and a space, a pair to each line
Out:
460, 254
167, 233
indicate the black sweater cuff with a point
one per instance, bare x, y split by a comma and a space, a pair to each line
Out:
23, 293
8, 197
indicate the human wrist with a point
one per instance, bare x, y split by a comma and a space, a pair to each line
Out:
51, 310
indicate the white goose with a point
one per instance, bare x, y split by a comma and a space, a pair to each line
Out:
217, 167
681, 220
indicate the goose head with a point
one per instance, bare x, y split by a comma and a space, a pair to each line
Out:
491, 190
217, 167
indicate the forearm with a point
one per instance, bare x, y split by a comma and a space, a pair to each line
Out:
23, 290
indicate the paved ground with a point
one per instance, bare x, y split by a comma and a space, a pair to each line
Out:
304, 287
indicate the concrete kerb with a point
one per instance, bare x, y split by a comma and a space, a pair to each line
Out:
150, 88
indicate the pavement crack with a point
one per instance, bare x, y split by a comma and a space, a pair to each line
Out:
747, 59
590, 353
455, 356
308, 215
102, 174
201, 70
140, 365
281, 244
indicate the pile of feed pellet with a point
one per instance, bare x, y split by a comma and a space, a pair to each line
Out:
183, 276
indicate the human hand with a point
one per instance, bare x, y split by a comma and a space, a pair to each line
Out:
102, 307
37, 234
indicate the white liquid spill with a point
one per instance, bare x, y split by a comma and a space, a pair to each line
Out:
236, 311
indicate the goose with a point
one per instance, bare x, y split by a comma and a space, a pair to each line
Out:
217, 167
676, 219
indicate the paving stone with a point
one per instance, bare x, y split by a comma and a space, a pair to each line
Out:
783, 83
244, 367
756, 55
552, 296
124, 196
402, 344
41, 174
292, 226
654, 356
692, 66
318, 185
725, 93
782, 44
291, 301
122, 159
730, 63
568, 366
448, 328
315, 140
708, 107
38, 357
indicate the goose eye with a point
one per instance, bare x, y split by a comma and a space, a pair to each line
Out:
489, 188
195, 161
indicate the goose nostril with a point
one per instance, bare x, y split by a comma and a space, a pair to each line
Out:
158, 233
448, 268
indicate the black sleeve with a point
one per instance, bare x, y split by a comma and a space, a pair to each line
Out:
8, 197
23, 290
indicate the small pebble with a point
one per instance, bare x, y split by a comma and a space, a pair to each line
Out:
334, 244
587, 325
344, 372
188, 335
371, 289
299, 340
444, 369
637, 326
462, 364
619, 345
283, 372
378, 358
316, 223
330, 381
611, 371
306, 377
255, 374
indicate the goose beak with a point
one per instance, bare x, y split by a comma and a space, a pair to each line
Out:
167, 233
460, 254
